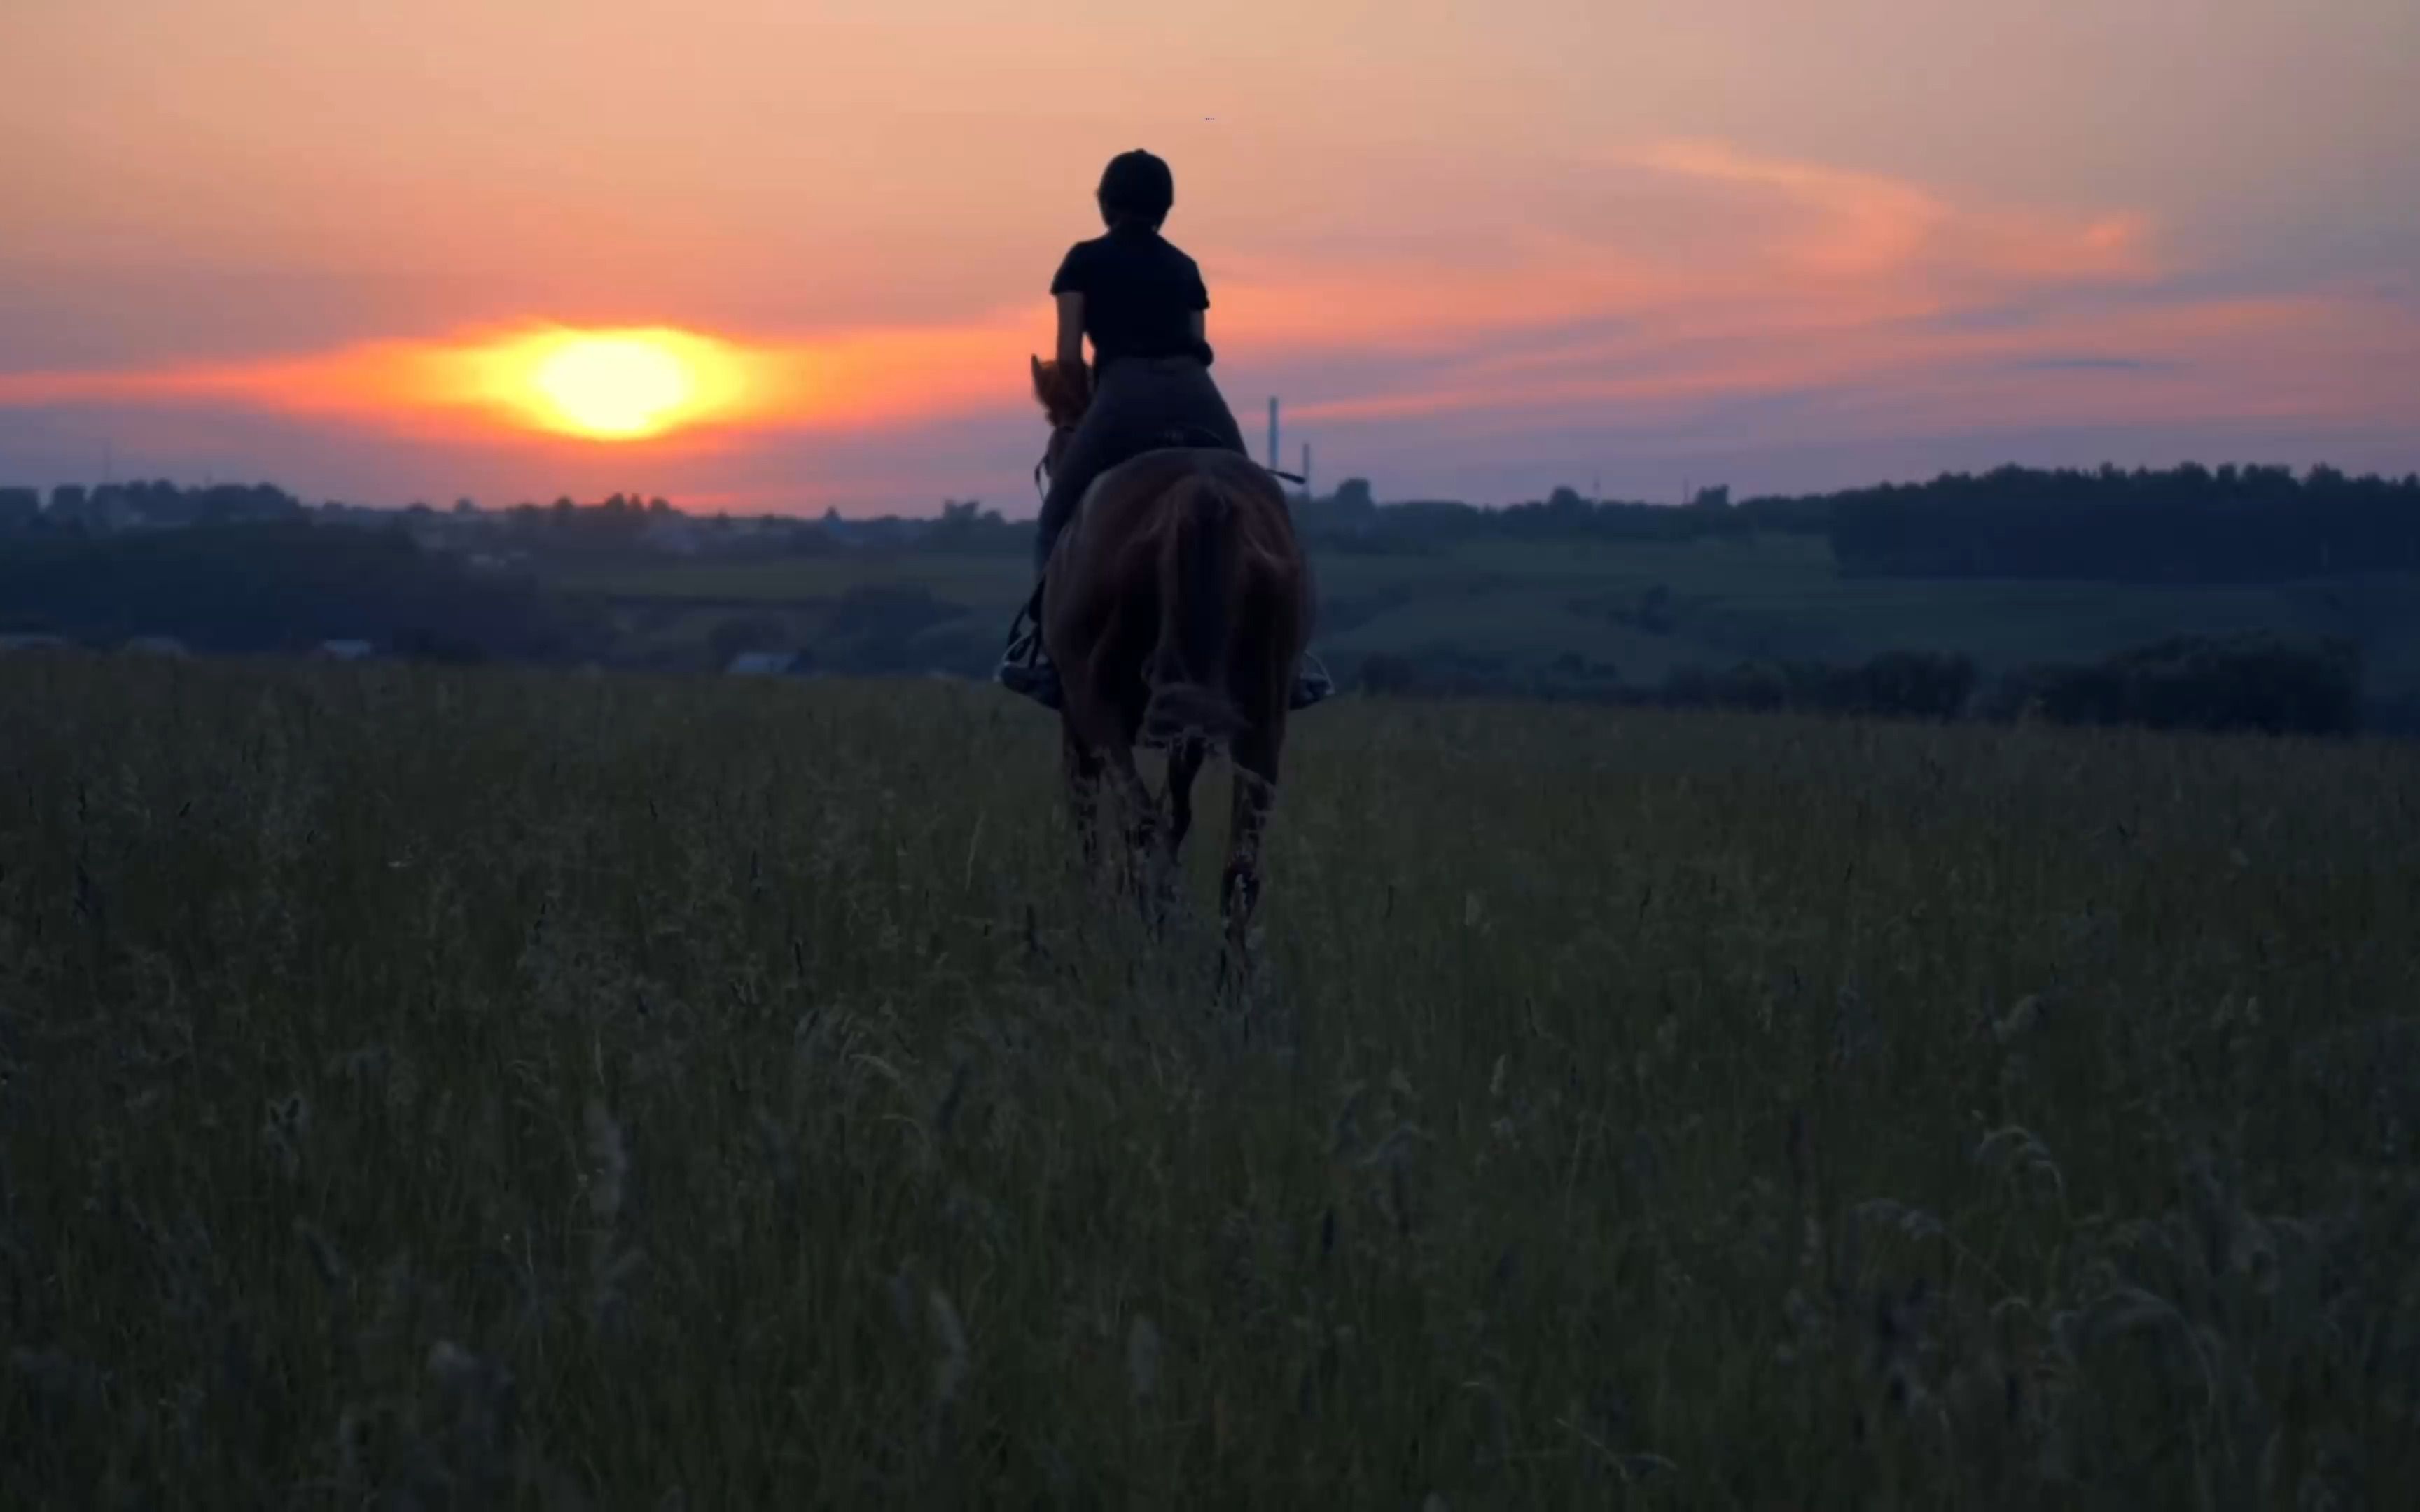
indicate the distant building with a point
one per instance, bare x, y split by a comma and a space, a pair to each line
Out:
31, 643
768, 664
675, 537
109, 511
156, 646
344, 651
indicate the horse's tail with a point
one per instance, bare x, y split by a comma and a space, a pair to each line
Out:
1187, 672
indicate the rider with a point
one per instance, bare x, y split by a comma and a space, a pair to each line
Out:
1142, 304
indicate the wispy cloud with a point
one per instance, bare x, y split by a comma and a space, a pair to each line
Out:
1865, 225
2090, 364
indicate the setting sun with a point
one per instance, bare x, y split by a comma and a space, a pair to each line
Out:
614, 386
617, 385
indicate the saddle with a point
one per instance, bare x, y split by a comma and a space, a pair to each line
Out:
1202, 436
1186, 435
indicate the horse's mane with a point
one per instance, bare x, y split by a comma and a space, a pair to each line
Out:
1063, 392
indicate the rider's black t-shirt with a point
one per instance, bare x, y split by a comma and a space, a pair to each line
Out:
1139, 295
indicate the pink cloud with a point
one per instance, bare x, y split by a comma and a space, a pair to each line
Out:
1865, 225
1756, 276
2305, 358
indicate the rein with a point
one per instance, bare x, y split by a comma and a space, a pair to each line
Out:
1042, 464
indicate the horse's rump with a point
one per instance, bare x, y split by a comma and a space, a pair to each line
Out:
1202, 535
1190, 673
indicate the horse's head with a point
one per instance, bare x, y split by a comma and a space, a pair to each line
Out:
1063, 392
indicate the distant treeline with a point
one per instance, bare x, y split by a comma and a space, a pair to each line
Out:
2191, 525
1352, 516
158, 502
2267, 684
278, 587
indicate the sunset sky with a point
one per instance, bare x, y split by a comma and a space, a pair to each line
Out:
1479, 250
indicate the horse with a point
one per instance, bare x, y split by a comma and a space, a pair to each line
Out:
1178, 608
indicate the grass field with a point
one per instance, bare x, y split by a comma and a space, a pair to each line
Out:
423, 1088
1525, 604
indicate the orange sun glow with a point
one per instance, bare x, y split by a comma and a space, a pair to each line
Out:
616, 385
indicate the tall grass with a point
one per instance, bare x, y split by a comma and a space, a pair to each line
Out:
430, 1088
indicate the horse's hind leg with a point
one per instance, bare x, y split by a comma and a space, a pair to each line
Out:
1083, 766
1111, 753
1255, 757
1184, 760
1145, 829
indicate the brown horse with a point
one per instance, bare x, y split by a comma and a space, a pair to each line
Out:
1177, 610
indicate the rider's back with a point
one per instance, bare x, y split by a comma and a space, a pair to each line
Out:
1140, 294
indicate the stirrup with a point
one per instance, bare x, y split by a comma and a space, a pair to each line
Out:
1034, 678
1311, 685
1024, 668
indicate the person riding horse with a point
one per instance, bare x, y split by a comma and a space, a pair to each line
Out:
1142, 304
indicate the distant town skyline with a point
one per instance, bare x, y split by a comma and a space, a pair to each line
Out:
1732, 242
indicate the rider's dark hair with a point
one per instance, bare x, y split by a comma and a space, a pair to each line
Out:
1137, 187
